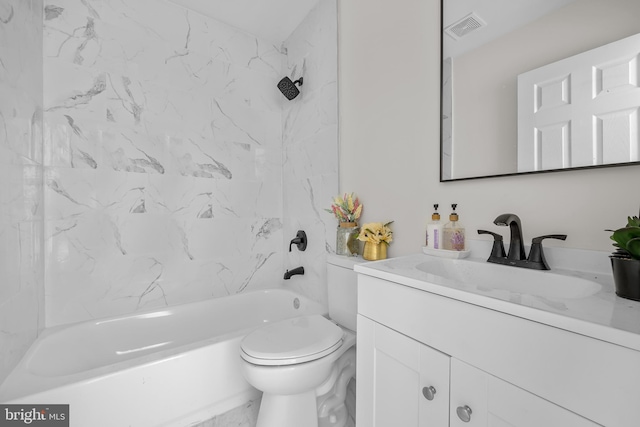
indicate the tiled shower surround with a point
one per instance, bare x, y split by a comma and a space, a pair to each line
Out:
21, 208
151, 160
310, 147
166, 146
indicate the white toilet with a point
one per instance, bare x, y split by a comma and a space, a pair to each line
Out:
303, 365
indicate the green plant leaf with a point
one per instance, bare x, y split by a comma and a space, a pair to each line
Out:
622, 236
633, 247
633, 222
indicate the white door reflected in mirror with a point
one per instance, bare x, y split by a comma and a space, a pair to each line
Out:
582, 110
480, 69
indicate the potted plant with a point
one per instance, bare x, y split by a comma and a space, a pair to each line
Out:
625, 261
376, 237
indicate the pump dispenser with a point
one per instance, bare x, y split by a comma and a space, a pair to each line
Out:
434, 230
453, 232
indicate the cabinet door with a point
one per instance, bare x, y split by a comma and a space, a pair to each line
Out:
479, 399
401, 382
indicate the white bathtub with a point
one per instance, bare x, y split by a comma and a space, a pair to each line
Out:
170, 367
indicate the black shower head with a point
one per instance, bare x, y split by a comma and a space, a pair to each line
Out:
288, 88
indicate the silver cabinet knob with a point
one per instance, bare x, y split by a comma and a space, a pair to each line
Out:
464, 413
429, 392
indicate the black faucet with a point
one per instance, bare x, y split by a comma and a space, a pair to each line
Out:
516, 248
289, 273
516, 256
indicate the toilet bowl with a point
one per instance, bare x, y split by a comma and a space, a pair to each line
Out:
303, 365
298, 363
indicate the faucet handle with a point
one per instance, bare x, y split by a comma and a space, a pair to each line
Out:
497, 251
536, 255
539, 239
496, 236
300, 241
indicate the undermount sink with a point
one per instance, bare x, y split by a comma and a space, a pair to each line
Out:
493, 277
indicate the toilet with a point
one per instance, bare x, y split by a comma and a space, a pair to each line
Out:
303, 365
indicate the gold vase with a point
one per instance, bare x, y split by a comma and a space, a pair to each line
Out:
374, 251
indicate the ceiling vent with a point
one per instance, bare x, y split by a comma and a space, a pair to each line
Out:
466, 25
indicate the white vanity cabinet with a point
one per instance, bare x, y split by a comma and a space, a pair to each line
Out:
479, 399
487, 368
410, 382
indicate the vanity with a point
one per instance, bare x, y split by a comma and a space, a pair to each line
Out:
461, 342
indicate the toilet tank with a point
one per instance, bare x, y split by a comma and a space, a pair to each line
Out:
342, 285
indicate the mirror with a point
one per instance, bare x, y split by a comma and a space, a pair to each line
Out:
488, 46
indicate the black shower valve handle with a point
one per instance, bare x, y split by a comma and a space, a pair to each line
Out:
300, 241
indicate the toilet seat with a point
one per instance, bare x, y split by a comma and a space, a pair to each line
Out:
292, 341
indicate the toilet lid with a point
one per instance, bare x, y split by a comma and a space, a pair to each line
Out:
290, 341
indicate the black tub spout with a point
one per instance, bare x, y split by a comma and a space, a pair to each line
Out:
289, 273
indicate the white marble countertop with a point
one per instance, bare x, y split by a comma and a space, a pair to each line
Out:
601, 315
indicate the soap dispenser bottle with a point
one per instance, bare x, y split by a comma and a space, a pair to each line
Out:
434, 230
453, 232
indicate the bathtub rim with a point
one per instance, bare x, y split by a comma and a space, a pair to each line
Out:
21, 382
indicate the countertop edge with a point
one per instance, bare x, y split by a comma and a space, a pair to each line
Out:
589, 329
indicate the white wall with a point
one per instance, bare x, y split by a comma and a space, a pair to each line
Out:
389, 62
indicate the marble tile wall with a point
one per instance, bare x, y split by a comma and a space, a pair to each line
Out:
174, 169
21, 192
310, 145
163, 158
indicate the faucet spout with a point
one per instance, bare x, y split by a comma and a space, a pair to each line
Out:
516, 247
289, 273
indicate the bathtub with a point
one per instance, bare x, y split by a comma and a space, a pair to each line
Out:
169, 367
